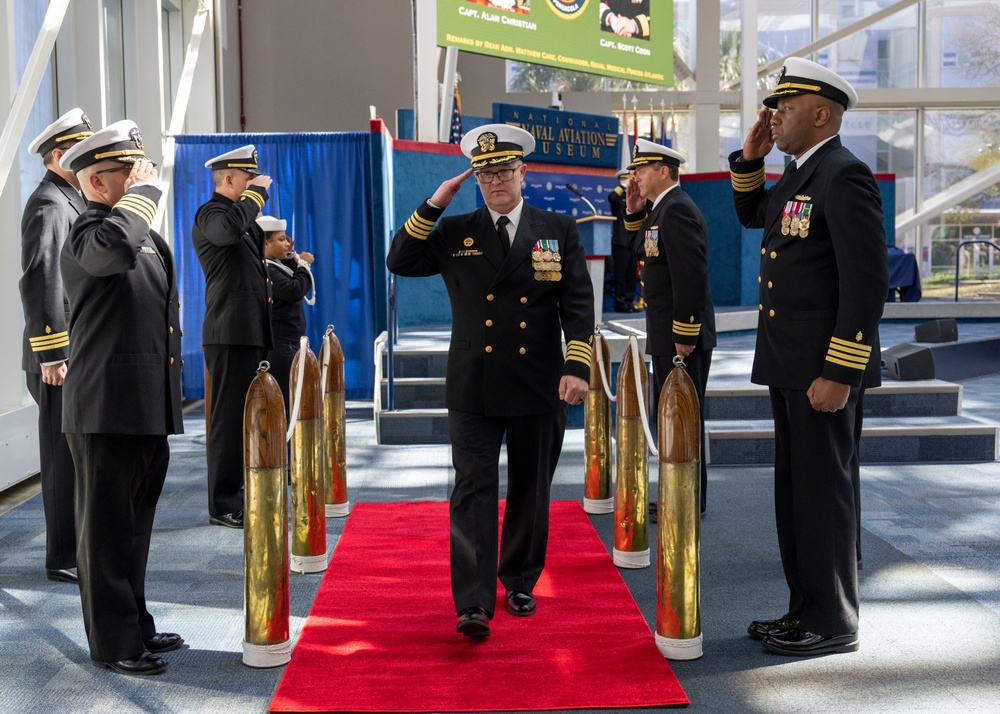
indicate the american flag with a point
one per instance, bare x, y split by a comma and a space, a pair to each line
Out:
455, 135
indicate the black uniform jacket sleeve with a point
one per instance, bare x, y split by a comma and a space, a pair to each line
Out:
125, 357
509, 313
824, 275
230, 248
672, 243
290, 288
45, 224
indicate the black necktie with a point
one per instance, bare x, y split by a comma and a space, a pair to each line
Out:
502, 222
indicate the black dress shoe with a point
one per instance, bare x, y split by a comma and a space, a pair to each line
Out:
145, 663
164, 642
759, 629
520, 604
229, 520
62, 575
799, 643
473, 622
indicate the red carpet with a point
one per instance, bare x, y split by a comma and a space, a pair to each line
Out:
381, 633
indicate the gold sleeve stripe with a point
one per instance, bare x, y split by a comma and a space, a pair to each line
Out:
854, 347
44, 339
139, 204
63, 341
843, 363
849, 356
419, 227
683, 328
744, 183
578, 351
138, 207
643, 22
634, 225
253, 196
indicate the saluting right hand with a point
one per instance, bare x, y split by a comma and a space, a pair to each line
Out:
447, 190
759, 143
262, 181
634, 201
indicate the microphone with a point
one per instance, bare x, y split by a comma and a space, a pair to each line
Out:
572, 187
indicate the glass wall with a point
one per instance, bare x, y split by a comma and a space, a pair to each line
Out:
28, 17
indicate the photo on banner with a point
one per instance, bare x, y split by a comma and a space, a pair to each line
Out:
627, 39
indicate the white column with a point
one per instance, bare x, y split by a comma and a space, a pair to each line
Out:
426, 69
706, 116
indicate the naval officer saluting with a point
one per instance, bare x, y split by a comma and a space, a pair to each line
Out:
518, 283
123, 391
236, 333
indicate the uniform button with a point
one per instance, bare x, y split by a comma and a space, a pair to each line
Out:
762, 251
269, 299
171, 329
489, 297
182, 333
264, 263
524, 300
182, 363
489, 323
523, 325
171, 360
771, 313
178, 303
488, 348
642, 283
773, 255
522, 350
758, 278
770, 284
760, 307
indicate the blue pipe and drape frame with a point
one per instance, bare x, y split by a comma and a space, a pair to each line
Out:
321, 187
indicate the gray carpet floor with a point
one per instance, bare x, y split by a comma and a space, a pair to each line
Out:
930, 588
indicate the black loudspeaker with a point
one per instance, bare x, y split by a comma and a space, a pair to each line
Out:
907, 362
936, 331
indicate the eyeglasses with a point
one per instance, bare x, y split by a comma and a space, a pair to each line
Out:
123, 167
488, 177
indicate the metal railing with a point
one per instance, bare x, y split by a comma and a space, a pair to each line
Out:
958, 257
392, 325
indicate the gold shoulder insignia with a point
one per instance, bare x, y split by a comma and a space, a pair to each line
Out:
803, 198
48, 330
858, 337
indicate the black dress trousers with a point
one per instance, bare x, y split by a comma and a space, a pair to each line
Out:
119, 480
815, 510
58, 479
232, 368
534, 443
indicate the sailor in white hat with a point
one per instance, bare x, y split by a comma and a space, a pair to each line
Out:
670, 236
823, 281
291, 281
122, 396
236, 332
45, 223
518, 283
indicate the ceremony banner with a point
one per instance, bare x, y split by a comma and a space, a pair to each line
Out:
629, 39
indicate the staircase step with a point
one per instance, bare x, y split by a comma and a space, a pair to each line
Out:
415, 392
412, 426
412, 363
883, 440
926, 398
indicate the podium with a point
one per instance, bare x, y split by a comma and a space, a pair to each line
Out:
595, 235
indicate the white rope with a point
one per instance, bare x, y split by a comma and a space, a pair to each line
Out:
600, 363
312, 288
297, 400
325, 351
634, 344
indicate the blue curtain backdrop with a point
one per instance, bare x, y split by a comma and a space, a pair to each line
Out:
321, 187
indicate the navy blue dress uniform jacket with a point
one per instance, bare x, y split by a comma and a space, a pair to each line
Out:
672, 243
45, 223
821, 294
506, 356
230, 248
290, 283
125, 355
